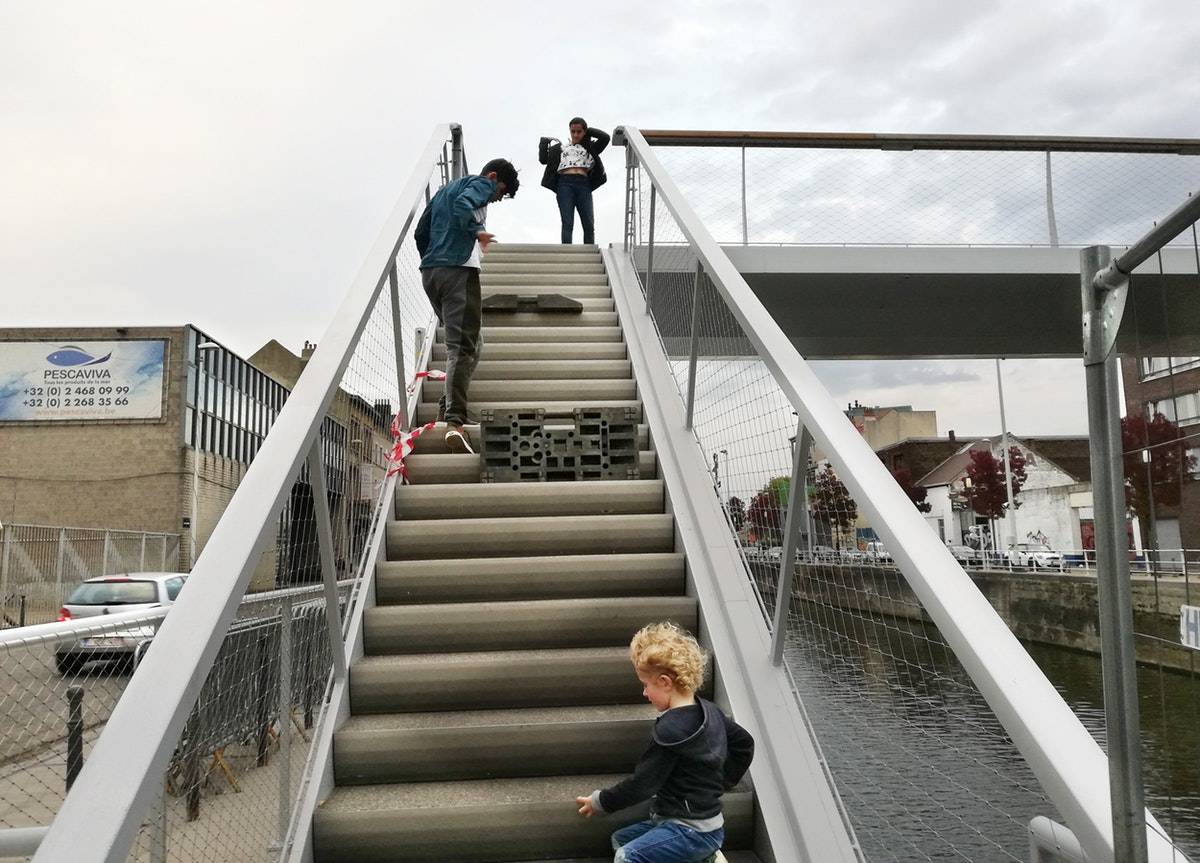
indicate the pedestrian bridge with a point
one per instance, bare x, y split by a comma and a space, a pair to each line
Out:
458, 674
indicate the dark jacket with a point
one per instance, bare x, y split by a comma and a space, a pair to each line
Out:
551, 154
445, 233
696, 753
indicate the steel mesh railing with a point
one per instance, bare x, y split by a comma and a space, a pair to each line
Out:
241, 754
924, 763
830, 195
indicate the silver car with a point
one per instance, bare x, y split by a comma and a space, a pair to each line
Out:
113, 594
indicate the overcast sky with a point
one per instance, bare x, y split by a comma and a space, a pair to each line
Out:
229, 164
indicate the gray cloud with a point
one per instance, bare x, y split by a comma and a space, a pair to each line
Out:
229, 165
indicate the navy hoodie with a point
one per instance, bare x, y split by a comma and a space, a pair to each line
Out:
696, 753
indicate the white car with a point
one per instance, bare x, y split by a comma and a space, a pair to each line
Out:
876, 552
966, 555
1034, 556
113, 594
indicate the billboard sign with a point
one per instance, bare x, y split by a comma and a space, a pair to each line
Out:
47, 381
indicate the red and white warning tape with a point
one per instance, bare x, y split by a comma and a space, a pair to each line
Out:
407, 441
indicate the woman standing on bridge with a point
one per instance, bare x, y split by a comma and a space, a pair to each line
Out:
573, 172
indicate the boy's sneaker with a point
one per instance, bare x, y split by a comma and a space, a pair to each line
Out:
457, 440
716, 858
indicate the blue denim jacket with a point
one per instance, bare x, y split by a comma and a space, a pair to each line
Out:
446, 231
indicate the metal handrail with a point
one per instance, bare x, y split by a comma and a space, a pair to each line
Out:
1064, 757
878, 141
119, 782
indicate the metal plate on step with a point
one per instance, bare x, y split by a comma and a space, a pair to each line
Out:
556, 303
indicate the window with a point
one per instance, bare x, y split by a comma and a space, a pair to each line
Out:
1194, 452
174, 585
1153, 367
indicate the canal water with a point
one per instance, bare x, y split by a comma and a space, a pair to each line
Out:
922, 765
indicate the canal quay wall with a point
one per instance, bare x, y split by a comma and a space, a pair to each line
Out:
1058, 609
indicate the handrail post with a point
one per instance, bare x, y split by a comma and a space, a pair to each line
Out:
745, 225
691, 393
630, 164
285, 716
104, 554
650, 248
795, 529
1102, 311
316, 478
398, 335
458, 163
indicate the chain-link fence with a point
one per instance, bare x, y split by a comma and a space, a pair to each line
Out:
40, 565
924, 765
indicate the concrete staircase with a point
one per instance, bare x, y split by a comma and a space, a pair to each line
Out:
496, 685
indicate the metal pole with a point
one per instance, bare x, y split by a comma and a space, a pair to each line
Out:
142, 561
745, 227
316, 476
1102, 308
104, 554
285, 717
74, 733
795, 531
158, 830
691, 394
629, 166
4, 562
1050, 220
1012, 510
398, 336
58, 565
1115, 273
650, 248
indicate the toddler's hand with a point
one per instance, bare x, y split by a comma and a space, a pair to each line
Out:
585, 806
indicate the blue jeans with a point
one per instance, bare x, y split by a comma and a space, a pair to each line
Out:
575, 193
665, 842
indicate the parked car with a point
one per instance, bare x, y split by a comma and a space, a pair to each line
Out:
966, 555
1034, 556
877, 553
824, 553
775, 553
113, 594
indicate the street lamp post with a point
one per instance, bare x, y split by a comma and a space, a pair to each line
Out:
1012, 510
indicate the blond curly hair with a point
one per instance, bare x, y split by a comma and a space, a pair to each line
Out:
665, 648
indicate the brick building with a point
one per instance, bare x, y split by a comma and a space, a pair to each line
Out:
1171, 387
144, 428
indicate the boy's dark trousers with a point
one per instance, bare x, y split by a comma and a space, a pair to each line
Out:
454, 293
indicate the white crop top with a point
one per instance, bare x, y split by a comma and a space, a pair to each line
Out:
575, 156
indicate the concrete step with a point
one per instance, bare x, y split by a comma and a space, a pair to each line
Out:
556, 577
548, 333
546, 369
486, 744
524, 278
538, 390
427, 411
575, 292
602, 303
492, 267
550, 319
484, 821
486, 681
446, 468
519, 625
436, 443
556, 248
511, 257
528, 499
579, 349
526, 536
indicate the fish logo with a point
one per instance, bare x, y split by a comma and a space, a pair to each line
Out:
69, 355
